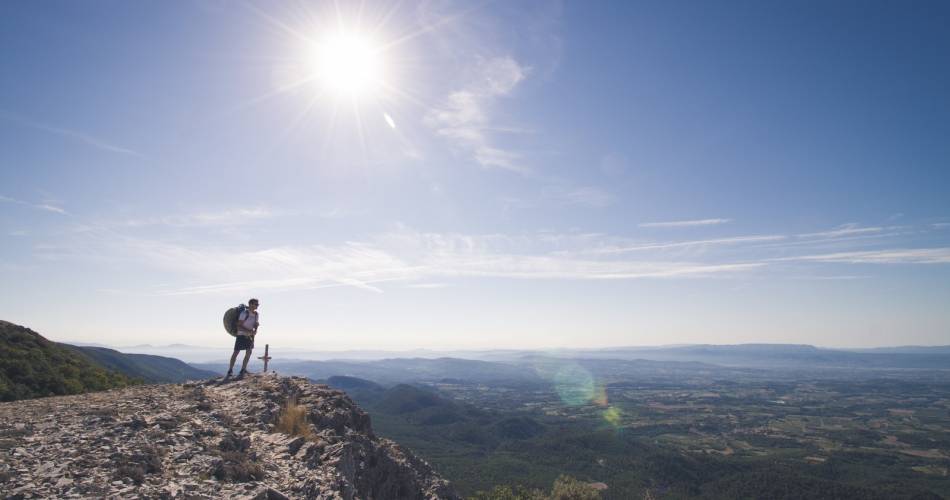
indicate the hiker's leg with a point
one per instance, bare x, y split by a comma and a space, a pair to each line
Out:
233, 359
247, 357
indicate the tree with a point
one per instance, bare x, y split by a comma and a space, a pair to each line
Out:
564, 488
569, 488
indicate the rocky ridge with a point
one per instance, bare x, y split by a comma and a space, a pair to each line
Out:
205, 440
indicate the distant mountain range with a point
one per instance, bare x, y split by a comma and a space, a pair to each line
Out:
152, 369
532, 367
402, 370
788, 356
744, 354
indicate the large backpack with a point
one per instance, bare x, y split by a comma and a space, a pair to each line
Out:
231, 319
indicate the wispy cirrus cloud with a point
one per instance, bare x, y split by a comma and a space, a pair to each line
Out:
850, 229
561, 193
45, 206
845, 277
431, 259
226, 217
81, 137
403, 255
686, 223
588, 196
427, 285
844, 236
733, 240
890, 256
466, 116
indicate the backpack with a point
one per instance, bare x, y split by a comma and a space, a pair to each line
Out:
231, 319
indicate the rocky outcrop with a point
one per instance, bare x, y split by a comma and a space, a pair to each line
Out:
205, 440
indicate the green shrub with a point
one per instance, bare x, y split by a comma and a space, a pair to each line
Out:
564, 488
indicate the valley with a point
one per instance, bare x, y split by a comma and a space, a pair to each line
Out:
679, 430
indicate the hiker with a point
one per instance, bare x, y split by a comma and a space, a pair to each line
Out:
247, 323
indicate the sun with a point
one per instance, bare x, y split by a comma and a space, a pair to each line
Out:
347, 64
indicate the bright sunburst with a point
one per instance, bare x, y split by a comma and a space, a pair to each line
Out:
354, 73
347, 64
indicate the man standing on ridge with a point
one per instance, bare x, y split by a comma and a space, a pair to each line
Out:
247, 324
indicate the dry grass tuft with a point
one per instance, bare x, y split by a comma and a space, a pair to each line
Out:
293, 420
237, 467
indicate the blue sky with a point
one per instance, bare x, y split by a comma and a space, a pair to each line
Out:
511, 174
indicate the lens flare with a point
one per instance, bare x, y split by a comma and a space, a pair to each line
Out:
574, 385
600, 395
613, 415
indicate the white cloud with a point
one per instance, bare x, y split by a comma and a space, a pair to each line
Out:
590, 196
72, 134
45, 206
850, 229
735, 240
466, 116
404, 255
429, 260
846, 236
228, 217
895, 256
581, 195
686, 223
427, 285
846, 277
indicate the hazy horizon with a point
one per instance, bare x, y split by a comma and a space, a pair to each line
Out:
320, 348
441, 175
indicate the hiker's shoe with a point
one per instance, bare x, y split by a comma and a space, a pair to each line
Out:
229, 374
242, 373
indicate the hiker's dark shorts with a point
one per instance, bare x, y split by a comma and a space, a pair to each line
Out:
242, 342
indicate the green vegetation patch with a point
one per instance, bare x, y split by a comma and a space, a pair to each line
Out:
32, 366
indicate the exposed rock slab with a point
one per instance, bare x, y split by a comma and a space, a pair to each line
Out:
204, 440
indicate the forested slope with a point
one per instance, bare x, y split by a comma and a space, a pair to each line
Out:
32, 366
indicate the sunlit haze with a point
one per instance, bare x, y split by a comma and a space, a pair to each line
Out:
459, 175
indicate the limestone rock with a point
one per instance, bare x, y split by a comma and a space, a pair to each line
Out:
204, 440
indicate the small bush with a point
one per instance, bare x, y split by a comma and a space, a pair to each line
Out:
564, 488
294, 421
235, 467
233, 442
568, 488
147, 460
134, 472
505, 492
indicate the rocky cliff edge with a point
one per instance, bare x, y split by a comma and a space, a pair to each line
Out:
205, 440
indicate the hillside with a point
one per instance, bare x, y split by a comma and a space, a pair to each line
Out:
206, 440
32, 366
155, 369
